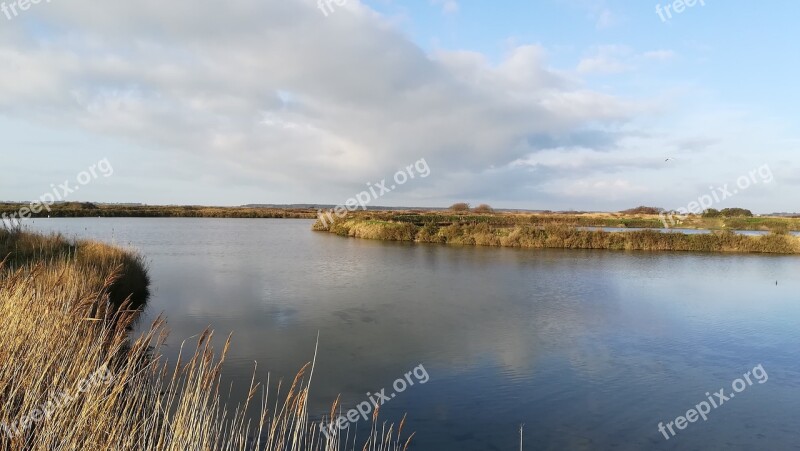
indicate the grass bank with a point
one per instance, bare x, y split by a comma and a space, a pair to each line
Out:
95, 262
73, 378
616, 220
556, 235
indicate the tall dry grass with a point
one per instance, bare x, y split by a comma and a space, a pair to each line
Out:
72, 378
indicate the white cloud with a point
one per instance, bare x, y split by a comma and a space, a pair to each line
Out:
279, 99
602, 189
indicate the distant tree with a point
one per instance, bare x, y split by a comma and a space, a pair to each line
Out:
736, 213
483, 208
643, 211
460, 207
712, 213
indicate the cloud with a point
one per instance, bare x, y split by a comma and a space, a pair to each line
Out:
602, 189
275, 94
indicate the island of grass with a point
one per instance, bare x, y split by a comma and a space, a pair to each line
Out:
566, 231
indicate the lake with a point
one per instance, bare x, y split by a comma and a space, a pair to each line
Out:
588, 349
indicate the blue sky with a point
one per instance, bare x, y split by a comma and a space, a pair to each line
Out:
735, 51
549, 104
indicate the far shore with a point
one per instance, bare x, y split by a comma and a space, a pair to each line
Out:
418, 217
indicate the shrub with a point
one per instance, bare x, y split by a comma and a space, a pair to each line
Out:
736, 213
460, 207
483, 209
643, 211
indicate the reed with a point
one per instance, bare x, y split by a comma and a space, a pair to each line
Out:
73, 378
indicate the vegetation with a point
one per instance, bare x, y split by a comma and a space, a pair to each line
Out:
640, 217
73, 378
95, 261
643, 211
483, 209
460, 207
614, 220
559, 235
77, 210
728, 213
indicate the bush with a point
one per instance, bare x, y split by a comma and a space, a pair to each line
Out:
483, 209
643, 211
736, 213
460, 207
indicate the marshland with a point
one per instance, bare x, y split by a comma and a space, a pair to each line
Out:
501, 330
570, 231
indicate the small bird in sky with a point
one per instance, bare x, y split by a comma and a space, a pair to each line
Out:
668, 159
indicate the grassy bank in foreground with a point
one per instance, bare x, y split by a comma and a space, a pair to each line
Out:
557, 235
93, 261
72, 378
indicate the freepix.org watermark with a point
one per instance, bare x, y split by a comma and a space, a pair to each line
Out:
363, 410
375, 191
678, 6
717, 195
100, 377
326, 6
12, 9
60, 192
717, 400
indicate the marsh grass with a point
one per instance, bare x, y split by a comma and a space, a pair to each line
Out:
631, 219
94, 260
558, 235
59, 325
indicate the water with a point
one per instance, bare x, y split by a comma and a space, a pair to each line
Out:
589, 349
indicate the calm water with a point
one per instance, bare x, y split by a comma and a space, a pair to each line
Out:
589, 349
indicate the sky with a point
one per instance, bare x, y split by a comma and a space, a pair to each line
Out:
597, 105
